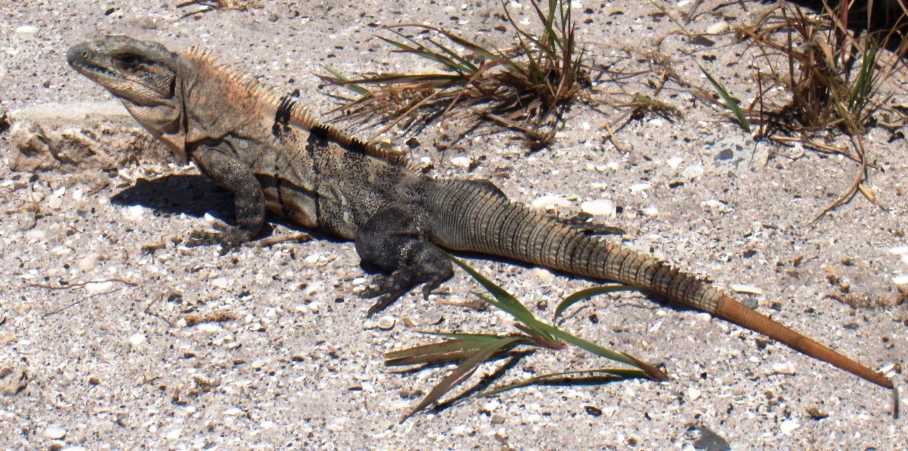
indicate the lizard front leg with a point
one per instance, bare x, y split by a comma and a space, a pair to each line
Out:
393, 241
249, 201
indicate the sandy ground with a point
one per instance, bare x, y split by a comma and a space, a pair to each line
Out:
120, 365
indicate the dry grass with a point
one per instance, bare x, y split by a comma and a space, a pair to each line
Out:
526, 88
831, 78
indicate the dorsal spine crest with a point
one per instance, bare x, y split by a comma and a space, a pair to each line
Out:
294, 113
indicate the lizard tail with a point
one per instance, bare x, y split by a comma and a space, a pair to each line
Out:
472, 217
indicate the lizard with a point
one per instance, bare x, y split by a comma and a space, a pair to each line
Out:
273, 154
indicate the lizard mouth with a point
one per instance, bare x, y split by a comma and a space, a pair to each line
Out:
78, 58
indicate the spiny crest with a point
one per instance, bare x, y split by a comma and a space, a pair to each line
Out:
240, 80
355, 144
299, 115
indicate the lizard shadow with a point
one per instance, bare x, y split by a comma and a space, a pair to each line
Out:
195, 196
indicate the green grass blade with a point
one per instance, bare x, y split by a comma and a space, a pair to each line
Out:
506, 300
863, 86
732, 104
590, 347
468, 67
459, 347
426, 353
463, 371
568, 377
651, 371
469, 45
343, 80
548, 23
583, 295
422, 52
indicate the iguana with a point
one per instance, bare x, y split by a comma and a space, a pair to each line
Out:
271, 152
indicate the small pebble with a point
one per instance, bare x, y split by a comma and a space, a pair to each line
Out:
693, 171
134, 213
543, 274
337, 425
713, 204
99, 287
783, 368
55, 432
60, 251
748, 289
674, 162
718, 27
137, 339
550, 203
433, 318
901, 279
462, 161
35, 235
386, 323
234, 412
462, 430
491, 406
693, 393
221, 282
599, 207
88, 262
640, 187
788, 426
27, 29
209, 328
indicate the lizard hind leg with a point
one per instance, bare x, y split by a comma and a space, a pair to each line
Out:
392, 241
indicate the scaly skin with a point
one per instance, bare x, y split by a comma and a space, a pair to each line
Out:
272, 154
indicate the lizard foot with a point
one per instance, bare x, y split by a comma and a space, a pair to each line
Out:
390, 288
228, 237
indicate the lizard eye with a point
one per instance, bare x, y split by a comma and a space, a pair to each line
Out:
127, 60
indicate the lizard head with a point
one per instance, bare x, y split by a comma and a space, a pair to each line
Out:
145, 77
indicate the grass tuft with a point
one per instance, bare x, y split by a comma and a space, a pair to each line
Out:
525, 89
472, 350
834, 75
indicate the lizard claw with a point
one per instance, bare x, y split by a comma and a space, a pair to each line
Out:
391, 288
228, 237
387, 289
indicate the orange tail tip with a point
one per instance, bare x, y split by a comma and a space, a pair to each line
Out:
734, 311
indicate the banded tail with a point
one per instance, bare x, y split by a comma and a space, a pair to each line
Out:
472, 218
